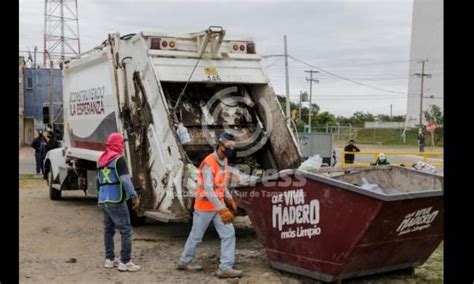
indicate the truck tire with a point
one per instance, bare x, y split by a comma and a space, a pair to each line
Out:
54, 194
134, 218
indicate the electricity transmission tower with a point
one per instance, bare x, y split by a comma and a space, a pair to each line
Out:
61, 30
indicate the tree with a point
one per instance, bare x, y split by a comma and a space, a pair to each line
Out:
383, 117
398, 118
434, 115
324, 118
358, 118
343, 120
304, 110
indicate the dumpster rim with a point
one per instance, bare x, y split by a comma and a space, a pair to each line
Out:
385, 197
388, 167
348, 186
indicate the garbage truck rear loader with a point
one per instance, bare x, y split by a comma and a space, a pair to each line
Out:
171, 96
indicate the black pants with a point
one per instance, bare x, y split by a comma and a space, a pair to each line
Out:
348, 162
422, 148
39, 158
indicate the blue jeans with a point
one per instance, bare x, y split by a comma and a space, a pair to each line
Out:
201, 221
117, 216
39, 158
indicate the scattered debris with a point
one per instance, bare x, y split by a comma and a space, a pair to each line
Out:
312, 163
371, 186
71, 260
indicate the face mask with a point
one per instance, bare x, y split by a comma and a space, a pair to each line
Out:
228, 152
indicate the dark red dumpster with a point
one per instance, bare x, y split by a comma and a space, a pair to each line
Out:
332, 228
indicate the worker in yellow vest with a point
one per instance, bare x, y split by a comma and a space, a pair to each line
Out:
210, 205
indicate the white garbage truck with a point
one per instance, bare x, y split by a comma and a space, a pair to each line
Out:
171, 96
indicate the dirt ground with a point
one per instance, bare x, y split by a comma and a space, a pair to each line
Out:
61, 242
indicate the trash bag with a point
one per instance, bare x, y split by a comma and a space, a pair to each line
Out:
192, 172
191, 175
312, 163
371, 186
424, 167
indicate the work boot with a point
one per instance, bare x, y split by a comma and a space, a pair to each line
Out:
229, 273
130, 266
189, 267
112, 263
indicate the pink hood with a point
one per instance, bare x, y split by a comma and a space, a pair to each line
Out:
113, 149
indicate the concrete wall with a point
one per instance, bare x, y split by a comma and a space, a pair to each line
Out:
426, 43
38, 96
384, 124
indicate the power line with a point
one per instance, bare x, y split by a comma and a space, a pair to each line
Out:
351, 64
272, 73
272, 55
344, 78
372, 64
273, 63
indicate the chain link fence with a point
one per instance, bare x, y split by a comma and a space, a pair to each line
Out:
378, 136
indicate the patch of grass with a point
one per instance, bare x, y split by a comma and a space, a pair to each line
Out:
383, 136
30, 177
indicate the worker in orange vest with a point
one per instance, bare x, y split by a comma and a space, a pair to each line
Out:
210, 205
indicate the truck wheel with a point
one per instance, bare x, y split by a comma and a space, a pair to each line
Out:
134, 218
54, 194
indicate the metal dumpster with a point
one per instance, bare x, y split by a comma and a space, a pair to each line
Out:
332, 229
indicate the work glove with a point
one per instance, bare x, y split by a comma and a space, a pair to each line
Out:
232, 204
226, 216
135, 203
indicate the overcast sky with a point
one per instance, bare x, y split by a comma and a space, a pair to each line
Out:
366, 41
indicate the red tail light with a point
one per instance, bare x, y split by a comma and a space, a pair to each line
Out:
251, 47
242, 47
155, 43
164, 43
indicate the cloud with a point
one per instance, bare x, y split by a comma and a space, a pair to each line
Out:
339, 35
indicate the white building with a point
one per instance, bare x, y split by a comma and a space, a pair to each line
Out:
426, 43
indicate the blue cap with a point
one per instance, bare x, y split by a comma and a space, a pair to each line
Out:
226, 137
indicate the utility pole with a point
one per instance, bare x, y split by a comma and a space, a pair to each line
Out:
51, 88
34, 62
299, 111
303, 98
51, 94
311, 80
287, 83
422, 75
390, 112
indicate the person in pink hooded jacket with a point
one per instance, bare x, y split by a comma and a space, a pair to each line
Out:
115, 187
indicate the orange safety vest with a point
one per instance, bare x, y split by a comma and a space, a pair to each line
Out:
220, 178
